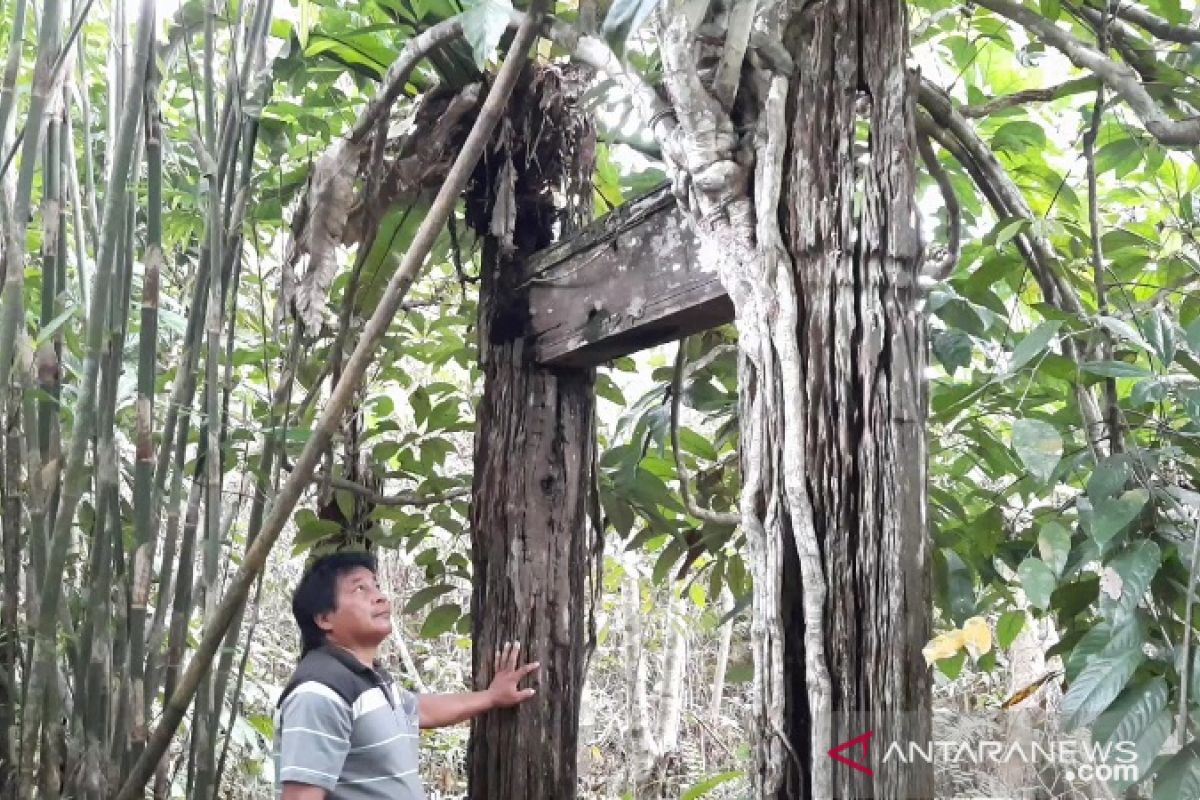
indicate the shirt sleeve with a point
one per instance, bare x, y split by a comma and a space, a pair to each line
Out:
314, 736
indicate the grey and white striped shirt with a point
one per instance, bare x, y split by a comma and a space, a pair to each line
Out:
347, 728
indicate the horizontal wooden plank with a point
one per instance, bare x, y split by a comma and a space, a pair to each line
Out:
629, 281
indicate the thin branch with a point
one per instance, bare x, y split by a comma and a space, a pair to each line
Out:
1156, 25
401, 499
689, 503
1118, 77
256, 555
397, 75
1007, 101
940, 270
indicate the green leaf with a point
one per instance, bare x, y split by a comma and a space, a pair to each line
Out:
1037, 580
1034, 343
1007, 230
1123, 156
484, 22
1160, 333
1124, 330
1088, 646
952, 667
708, 784
1192, 334
1108, 478
424, 597
1115, 369
1137, 567
1179, 777
1104, 676
440, 620
1008, 627
696, 444
1054, 545
1051, 9
1038, 445
1138, 716
623, 20
264, 724
48, 330
1110, 517
953, 349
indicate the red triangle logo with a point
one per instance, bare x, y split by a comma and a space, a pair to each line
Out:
836, 752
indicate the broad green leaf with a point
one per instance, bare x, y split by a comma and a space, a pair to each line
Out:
953, 349
1179, 777
1037, 580
484, 22
1160, 333
1038, 445
952, 667
1136, 567
708, 784
424, 597
1034, 344
1054, 545
1110, 517
1115, 369
1139, 716
1088, 646
440, 620
1051, 9
1108, 478
1104, 676
1008, 627
1148, 391
696, 444
1123, 330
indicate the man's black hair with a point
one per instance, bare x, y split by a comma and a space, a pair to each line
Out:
317, 593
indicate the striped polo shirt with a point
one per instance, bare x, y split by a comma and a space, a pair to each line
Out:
347, 728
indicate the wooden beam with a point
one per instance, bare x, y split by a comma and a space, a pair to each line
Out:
629, 281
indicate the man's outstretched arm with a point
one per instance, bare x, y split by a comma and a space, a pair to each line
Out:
440, 710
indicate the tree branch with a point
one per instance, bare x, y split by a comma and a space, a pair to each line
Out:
1004, 102
285, 500
689, 503
397, 75
1118, 77
941, 269
1156, 25
401, 499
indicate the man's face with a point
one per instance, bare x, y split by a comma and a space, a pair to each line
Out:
363, 614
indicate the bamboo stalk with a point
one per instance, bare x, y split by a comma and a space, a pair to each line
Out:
373, 331
76, 472
11, 300
143, 492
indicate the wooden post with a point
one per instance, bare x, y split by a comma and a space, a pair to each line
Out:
533, 453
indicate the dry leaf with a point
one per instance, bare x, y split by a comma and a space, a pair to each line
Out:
943, 646
977, 636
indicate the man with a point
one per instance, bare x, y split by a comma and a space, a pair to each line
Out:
344, 730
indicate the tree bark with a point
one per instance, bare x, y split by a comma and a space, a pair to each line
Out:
810, 226
535, 432
862, 346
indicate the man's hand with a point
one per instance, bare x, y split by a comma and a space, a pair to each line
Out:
507, 675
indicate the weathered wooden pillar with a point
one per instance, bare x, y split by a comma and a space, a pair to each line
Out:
533, 451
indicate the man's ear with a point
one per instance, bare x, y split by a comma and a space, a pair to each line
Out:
323, 622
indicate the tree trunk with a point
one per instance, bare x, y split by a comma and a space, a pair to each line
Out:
532, 454
816, 245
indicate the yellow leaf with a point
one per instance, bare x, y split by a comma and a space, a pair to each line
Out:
943, 646
977, 636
